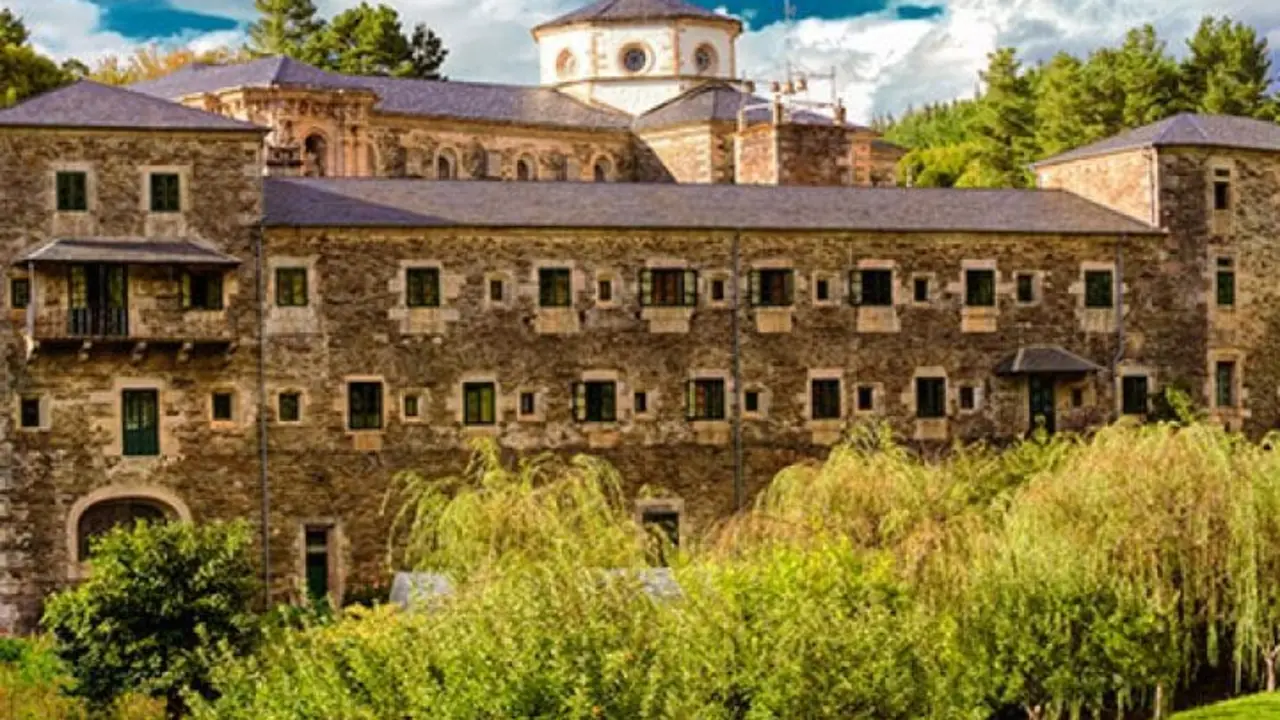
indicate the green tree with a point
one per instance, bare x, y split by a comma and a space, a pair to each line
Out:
426, 53
369, 40
1062, 104
284, 28
1227, 70
161, 602
1148, 78
1004, 125
12, 30
23, 71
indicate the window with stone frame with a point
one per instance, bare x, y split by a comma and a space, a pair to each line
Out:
525, 170
717, 290
166, 192
19, 293
1221, 189
595, 401
422, 287
102, 517
751, 401
496, 290
773, 287
1134, 395
1026, 288
1225, 282
140, 417
640, 402
364, 405
602, 170
528, 403
980, 287
968, 397
1099, 289
201, 290
1224, 384
871, 287
411, 404
479, 403
72, 190
866, 398
555, 287
705, 399
604, 290
446, 166
824, 399
223, 406
822, 289
668, 287
29, 412
291, 287
318, 561
289, 407
920, 290
931, 397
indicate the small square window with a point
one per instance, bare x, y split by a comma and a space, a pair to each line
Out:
1077, 397
968, 398
604, 290
717, 290
479, 403
30, 412
931, 397
921, 290
411, 406
824, 398
422, 287
866, 398
640, 402
291, 287
751, 401
222, 406
823, 290
1226, 282
1221, 189
495, 291
1098, 289
528, 403
166, 196
555, 287
980, 288
19, 292
1133, 391
1026, 288
364, 405
706, 399
289, 406
73, 194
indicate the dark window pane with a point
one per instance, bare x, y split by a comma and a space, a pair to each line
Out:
528, 403
73, 193
1077, 397
364, 405
823, 290
825, 399
717, 290
222, 403
595, 401
201, 291
411, 406
1225, 384
291, 287
668, 287
554, 287
141, 419
751, 401
479, 404
968, 398
101, 518
317, 553
640, 402
422, 287
866, 397
30, 412
706, 400
1134, 395
1226, 282
1098, 289
19, 292
877, 287
931, 397
495, 291
165, 193
1222, 195
980, 288
921, 290
772, 288
290, 407
1026, 288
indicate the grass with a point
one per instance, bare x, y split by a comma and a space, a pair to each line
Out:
1265, 705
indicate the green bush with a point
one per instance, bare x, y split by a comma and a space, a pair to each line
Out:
162, 603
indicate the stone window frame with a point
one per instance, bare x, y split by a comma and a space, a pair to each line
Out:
508, 290
622, 400
539, 413
90, 187
314, 297
44, 408
877, 399
968, 265
725, 377
344, 403
662, 504
815, 374
979, 395
1134, 370
158, 494
576, 284
424, 399
931, 428
450, 155
1212, 169
878, 318
650, 59
1216, 269
707, 278
614, 278
651, 403
835, 288
1037, 287
184, 173
458, 404
603, 160
1238, 389
339, 547
402, 276
764, 398
15, 274
530, 162
238, 414
303, 402
494, 164
712, 66
931, 288
165, 397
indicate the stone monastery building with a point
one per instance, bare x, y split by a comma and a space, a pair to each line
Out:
258, 291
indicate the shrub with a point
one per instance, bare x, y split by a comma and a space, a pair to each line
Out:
161, 603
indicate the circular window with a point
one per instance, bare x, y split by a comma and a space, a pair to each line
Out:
634, 59
704, 59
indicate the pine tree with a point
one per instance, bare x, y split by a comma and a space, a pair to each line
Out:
1148, 78
1004, 125
426, 53
284, 28
23, 71
1228, 69
1061, 105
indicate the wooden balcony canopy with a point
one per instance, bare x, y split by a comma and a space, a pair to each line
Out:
128, 250
1051, 360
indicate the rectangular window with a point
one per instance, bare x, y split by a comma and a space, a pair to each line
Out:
201, 290
866, 398
668, 287
1133, 395
73, 192
717, 290
317, 559
364, 405
931, 397
1226, 282
640, 402
824, 399
479, 403
772, 288
980, 288
422, 287
528, 403
166, 195
872, 287
222, 406
604, 291
495, 291
411, 406
1099, 291
19, 292
291, 287
921, 290
1077, 397
1225, 384
823, 290
663, 527
140, 410
289, 407
29, 411
555, 288
705, 399
1221, 189
1026, 288
595, 401
751, 401
968, 398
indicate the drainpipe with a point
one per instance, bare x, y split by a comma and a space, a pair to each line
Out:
1119, 286
739, 483
31, 304
262, 417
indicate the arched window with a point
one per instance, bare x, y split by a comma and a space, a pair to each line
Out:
525, 169
566, 65
446, 165
704, 59
603, 170
101, 517
315, 153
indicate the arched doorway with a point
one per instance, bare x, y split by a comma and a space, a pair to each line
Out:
315, 154
106, 508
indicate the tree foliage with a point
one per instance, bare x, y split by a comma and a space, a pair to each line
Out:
151, 62
23, 71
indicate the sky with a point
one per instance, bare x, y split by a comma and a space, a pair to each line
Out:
887, 55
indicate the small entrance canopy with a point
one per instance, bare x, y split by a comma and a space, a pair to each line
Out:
1054, 360
133, 251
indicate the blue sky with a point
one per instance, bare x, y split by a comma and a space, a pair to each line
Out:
887, 54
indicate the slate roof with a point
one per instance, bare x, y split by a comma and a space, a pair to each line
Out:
1053, 359
87, 104
635, 10
377, 202
135, 250
461, 100
715, 102
1187, 130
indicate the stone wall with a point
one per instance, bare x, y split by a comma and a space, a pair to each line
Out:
814, 155
1121, 181
756, 155
701, 153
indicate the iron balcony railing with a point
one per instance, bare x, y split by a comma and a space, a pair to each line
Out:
98, 322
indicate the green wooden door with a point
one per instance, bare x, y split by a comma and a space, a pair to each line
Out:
1040, 388
141, 413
